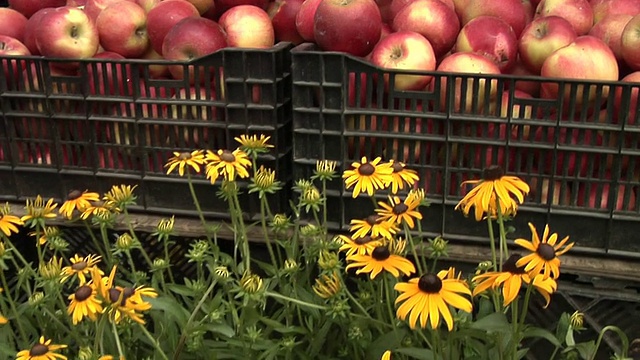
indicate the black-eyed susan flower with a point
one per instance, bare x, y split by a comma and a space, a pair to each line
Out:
9, 224
120, 197
79, 200
80, 267
577, 320
429, 297
121, 302
367, 176
401, 176
48, 233
373, 226
185, 160
251, 283
327, 286
359, 245
3, 320
227, 164
254, 145
99, 209
511, 279
51, 270
38, 211
378, 260
544, 257
325, 170
84, 303
264, 182
43, 350
494, 187
397, 211
386, 355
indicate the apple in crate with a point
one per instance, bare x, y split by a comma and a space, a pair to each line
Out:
364, 144
603, 8
634, 78
29, 7
191, 39
224, 5
405, 50
147, 5
283, 17
432, 19
10, 48
513, 12
164, 16
541, 38
122, 27
586, 58
528, 86
107, 78
549, 195
410, 151
203, 5
467, 63
574, 162
157, 68
304, 19
67, 32
599, 197
631, 43
30, 30
248, 26
350, 26
491, 37
192, 134
577, 12
610, 30
12, 23
93, 8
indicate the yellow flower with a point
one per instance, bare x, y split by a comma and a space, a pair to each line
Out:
228, 164
494, 187
511, 279
358, 246
544, 253
381, 259
401, 176
254, 144
38, 211
327, 286
9, 224
386, 355
373, 226
77, 200
99, 209
368, 176
183, 160
43, 350
119, 197
397, 211
122, 302
430, 296
80, 267
83, 303
3, 320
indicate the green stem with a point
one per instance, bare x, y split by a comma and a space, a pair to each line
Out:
99, 333
324, 206
154, 341
418, 260
525, 304
167, 258
246, 256
515, 337
117, 338
265, 230
106, 245
492, 242
38, 246
503, 235
133, 265
387, 296
146, 257
93, 237
183, 336
197, 205
623, 339
69, 330
12, 306
295, 301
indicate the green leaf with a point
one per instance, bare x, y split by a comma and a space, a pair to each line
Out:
222, 329
569, 338
586, 349
535, 332
563, 326
180, 290
171, 309
388, 341
417, 353
492, 322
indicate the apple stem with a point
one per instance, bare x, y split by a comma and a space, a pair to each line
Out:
74, 31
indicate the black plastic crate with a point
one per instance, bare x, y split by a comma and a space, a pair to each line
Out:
577, 154
88, 129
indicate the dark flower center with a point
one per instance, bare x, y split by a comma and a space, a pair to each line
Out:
184, 156
493, 172
363, 240
400, 209
74, 194
79, 266
114, 295
83, 293
372, 219
397, 167
380, 253
38, 350
546, 252
128, 292
510, 265
430, 283
366, 169
227, 156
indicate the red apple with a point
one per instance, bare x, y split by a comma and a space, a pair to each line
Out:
529, 9
143, 110
520, 71
630, 46
30, 30
203, 5
29, 7
304, 19
633, 98
405, 50
283, 17
577, 12
12, 23
93, 8
385, 9
483, 156
224, 5
541, 38
76, 3
609, 30
191, 39
467, 64
432, 19
193, 135
599, 197
147, 5
512, 12
602, 8
404, 150
587, 58
164, 16
359, 145
350, 26
157, 68
67, 32
109, 78
573, 162
359, 88
248, 26
491, 37
9, 48
122, 27
548, 194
